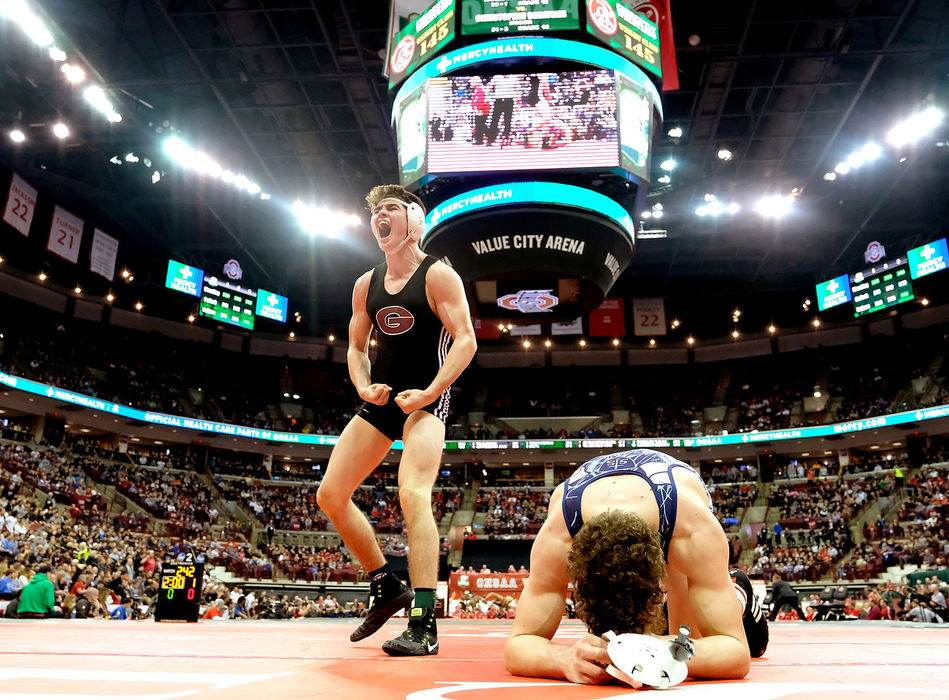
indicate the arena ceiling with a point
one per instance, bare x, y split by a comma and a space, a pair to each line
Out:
291, 92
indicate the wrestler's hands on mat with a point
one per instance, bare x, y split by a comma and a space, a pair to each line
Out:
586, 661
377, 394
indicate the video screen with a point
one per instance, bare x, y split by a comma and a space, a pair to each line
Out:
518, 16
533, 121
409, 116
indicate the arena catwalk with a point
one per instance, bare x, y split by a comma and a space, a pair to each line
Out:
60, 660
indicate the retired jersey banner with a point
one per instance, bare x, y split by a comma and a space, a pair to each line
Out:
482, 584
574, 327
21, 203
649, 316
608, 318
65, 235
104, 251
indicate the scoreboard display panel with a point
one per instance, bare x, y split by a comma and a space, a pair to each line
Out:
421, 39
184, 278
627, 32
883, 286
834, 292
228, 303
929, 258
179, 595
518, 16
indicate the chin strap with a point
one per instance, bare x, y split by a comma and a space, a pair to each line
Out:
638, 659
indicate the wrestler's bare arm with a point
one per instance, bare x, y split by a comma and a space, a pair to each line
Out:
357, 356
701, 554
529, 650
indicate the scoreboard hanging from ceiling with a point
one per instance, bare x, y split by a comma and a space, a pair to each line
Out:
518, 16
228, 303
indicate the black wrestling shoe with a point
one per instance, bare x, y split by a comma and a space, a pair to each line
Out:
753, 620
382, 606
420, 639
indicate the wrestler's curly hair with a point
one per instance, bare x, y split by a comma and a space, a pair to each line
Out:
617, 567
377, 194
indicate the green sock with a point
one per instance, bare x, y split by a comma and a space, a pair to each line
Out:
424, 598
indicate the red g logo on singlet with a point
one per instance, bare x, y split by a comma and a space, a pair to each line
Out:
603, 16
394, 320
403, 54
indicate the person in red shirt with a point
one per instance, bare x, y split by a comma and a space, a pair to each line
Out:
214, 611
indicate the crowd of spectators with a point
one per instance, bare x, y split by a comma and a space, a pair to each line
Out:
512, 511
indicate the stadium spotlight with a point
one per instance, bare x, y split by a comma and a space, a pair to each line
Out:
74, 74
114, 117
296, 397
715, 208
17, 136
735, 334
42, 277
126, 274
816, 323
78, 289
830, 177
156, 177
60, 130
110, 297
652, 342
190, 318
139, 306
733, 208
924, 301
701, 210
664, 179
668, 165
771, 329
724, 154
855, 159
615, 342
57, 54
690, 340
646, 214
817, 393
32, 26
547, 343
675, 132
675, 323
526, 343
871, 151
264, 196
331, 338
842, 168
371, 342
773, 206
582, 343
915, 127
131, 158
294, 335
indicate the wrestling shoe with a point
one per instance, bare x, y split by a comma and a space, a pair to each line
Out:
753, 620
420, 639
385, 600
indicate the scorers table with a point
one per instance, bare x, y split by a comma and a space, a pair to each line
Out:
179, 595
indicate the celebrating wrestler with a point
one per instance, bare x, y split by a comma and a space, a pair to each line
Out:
631, 531
418, 309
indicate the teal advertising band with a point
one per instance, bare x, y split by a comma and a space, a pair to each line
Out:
205, 426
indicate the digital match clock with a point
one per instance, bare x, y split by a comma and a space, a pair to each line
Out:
179, 595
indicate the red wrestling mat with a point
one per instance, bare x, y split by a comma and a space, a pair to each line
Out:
79, 659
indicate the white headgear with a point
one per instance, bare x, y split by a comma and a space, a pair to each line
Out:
415, 219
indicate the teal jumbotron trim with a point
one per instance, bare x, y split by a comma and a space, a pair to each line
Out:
530, 193
529, 47
895, 419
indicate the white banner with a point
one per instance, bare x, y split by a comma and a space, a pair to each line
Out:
574, 327
104, 251
649, 316
65, 235
21, 204
533, 329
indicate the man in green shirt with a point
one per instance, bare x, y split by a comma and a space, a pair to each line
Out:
37, 598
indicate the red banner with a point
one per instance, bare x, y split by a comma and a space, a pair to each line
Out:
608, 319
657, 11
485, 329
482, 584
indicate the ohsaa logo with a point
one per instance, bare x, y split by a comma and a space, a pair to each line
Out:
403, 54
603, 16
394, 320
875, 252
529, 301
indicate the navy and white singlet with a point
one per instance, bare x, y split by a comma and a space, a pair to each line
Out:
654, 467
